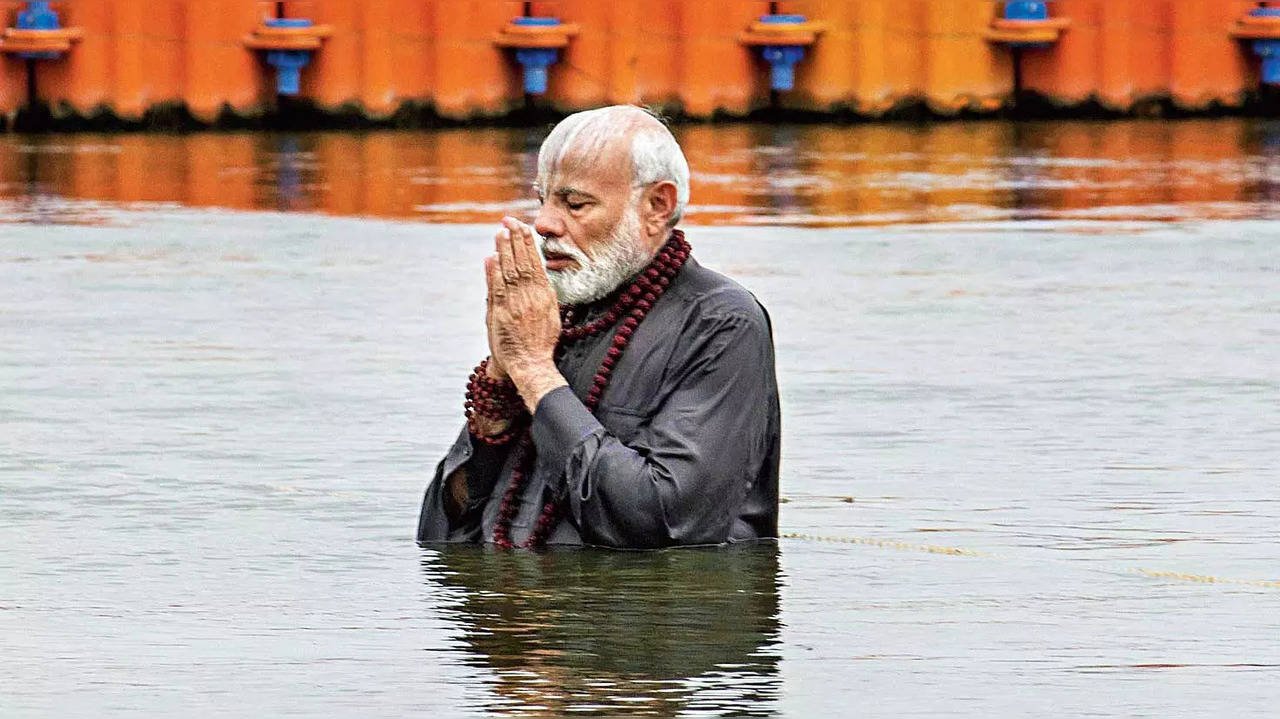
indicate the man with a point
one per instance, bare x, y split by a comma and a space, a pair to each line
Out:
629, 399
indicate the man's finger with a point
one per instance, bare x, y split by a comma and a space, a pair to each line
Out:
525, 250
493, 278
506, 258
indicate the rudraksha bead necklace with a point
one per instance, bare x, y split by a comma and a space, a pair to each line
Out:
631, 307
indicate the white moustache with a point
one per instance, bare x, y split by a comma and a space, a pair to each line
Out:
552, 245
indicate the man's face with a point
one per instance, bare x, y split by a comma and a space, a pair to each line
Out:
592, 234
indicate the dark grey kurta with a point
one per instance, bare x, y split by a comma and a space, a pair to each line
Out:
683, 449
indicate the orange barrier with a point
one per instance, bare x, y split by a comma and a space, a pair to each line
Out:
693, 57
1121, 52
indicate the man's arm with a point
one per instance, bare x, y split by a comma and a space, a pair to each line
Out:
683, 477
447, 517
465, 478
471, 483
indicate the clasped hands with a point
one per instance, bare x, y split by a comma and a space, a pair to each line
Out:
522, 316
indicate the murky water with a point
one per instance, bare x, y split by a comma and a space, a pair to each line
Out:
1052, 346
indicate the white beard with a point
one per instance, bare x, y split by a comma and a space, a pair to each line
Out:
617, 260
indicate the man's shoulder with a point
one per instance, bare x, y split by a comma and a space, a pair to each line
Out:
709, 295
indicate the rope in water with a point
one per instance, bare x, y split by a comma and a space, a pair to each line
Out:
1206, 578
962, 552
889, 544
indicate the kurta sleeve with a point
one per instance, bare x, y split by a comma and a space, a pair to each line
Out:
683, 475
483, 464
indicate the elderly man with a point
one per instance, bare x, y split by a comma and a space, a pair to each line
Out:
629, 399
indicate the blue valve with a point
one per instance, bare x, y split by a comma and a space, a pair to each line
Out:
536, 60
1268, 50
782, 59
288, 63
38, 16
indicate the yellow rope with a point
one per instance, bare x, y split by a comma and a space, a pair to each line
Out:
1207, 579
887, 544
958, 551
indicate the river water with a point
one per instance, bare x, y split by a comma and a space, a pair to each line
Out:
1029, 377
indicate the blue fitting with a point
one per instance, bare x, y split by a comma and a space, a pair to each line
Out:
1026, 10
1268, 50
536, 60
782, 59
288, 63
38, 16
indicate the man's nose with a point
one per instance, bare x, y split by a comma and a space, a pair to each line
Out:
548, 223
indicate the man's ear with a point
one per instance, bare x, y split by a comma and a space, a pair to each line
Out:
658, 205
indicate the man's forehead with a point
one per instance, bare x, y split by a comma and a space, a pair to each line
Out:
583, 168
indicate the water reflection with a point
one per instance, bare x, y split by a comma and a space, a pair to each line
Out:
1267, 139
289, 176
645, 633
816, 175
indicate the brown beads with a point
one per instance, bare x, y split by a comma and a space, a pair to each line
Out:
492, 399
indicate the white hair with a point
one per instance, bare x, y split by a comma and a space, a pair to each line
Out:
655, 154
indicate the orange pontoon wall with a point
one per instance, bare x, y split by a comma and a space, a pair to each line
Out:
682, 55
1119, 52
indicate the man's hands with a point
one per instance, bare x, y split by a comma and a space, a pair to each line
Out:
523, 316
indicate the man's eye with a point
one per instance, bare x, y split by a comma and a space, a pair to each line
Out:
575, 206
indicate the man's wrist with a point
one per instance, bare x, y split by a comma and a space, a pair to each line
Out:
482, 426
492, 405
494, 371
535, 380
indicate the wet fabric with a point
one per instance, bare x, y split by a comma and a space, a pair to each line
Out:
684, 448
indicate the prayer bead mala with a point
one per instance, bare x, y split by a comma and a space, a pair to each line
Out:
631, 307
496, 400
